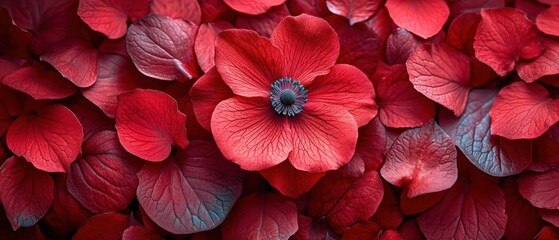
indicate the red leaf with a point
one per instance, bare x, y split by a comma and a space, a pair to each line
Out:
400, 104
371, 144
441, 74
204, 46
523, 110
191, 192
264, 23
181, 9
26, 193
550, 216
206, 93
544, 65
471, 209
253, 7
548, 20
75, 60
108, 226
261, 216
462, 32
39, 83
354, 10
345, 199
5, 119
388, 215
289, 181
545, 154
104, 178
310, 228
459, 7
548, 233
109, 16
423, 160
524, 221
364, 230
148, 123
163, 48
492, 154
432, 15
400, 45
541, 189
116, 75
140, 233
50, 139
419, 204
500, 44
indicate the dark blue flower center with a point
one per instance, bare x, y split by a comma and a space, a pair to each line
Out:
288, 96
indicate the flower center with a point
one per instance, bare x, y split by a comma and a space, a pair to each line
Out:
288, 96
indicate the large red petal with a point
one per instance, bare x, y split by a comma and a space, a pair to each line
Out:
441, 74
424, 18
290, 181
492, 154
545, 64
261, 216
26, 192
191, 192
163, 48
347, 87
204, 45
109, 226
178, 9
471, 209
39, 83
254, 7
523, 110
109, 16
541, 189
324, 138
248, 63
309, 45
355, 11
504, 36
50, 139
206, 93
104, 178
75, 60
423, 160
250, 133
548, 20
149, 123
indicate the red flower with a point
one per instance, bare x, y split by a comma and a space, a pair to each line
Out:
291, 100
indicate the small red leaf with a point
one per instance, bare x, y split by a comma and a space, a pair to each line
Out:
545, 154
541, 189
471, 209
544, 65
400, 45
522, 111
109, 16
370, 145
423, 160
148, 123
26, 193
462, 32
104, 178
419, 204
163, 48
178, 9
310, 228
424, 18
265, 23
206, 93
204, 46
289, 181
261, 216
190, 192
548, 20
254, 7
50, 139
75, 60
109, 226
354, 10
524, 221
39, 83
441, 74
504, 36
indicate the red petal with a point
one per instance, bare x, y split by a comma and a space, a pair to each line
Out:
104, 178
389, 215
148, 123
400, 104
191, 192
371, 144
263, 24
423, 160
423, 18
347, 87
470, 209
419, 204
91, 117
541, 189
163, 48
26, 193
50, 139
103, 226
309, 45
140, 233
400, 45
462, 32
545, 154
250, 133
364, 230
248, 63
500, 44
109, 16
39, 83
459, 7
523, 110
277, 218
206, 93
355, 11
204, 46
5, 119
524, 222
318, 128
310, 228
75, 60
181, 9
545, 64
441, 74
550, 216
548, 20
289, 181
255, 7
116, 75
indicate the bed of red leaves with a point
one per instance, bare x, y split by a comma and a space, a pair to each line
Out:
279, 119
